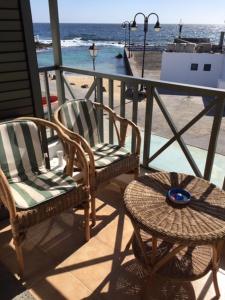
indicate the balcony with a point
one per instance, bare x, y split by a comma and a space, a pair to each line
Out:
182, 128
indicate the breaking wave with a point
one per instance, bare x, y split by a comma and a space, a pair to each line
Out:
79, 42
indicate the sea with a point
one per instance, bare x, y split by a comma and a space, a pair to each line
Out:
109, 39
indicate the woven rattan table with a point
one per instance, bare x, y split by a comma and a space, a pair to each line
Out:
183, 242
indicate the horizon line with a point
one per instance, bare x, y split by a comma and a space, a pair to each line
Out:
222, 24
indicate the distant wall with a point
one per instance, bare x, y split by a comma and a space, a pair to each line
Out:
127, 63
177, 67
223, 69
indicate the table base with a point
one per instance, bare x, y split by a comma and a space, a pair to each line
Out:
177, 262
188, 264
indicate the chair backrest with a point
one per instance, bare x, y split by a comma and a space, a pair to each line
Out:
80, 117
20, 150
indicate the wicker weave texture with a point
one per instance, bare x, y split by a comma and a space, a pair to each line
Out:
201, 221
78, 197
120, 167
190, 263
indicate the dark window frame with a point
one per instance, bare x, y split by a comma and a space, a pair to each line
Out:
194, 67
207, 67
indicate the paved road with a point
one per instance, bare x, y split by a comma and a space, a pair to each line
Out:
152, 64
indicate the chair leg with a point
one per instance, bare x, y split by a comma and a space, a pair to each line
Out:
19, 255
87, 223
93, 210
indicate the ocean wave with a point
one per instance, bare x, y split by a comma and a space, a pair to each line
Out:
79, 42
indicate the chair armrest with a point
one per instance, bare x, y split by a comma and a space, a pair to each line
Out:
124, 123
72, 146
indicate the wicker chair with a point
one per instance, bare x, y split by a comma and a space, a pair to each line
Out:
31, 191
78, 119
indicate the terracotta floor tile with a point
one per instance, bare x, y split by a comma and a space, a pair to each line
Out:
110, 195
204, 288
117, 233
61, 238
164, 289
91, 264
60, 286
36, 262
60, 265
123, 180
47, 230
107, 209
125, 282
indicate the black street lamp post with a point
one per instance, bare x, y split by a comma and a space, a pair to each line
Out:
93, 52
157, 27
124, 25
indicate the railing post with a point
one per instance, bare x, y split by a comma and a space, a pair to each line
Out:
214, 137
100, 114
148, 125
48, 100
56, 46
122, 99
134, 116
111, 105
122, 103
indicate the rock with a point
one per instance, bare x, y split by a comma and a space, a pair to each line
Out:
119, 56
103, 89
84, 86
53, 77
41, 46
72, 83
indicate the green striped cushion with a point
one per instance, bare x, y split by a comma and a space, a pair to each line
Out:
106, 154
20, 150
40, 188
80, 117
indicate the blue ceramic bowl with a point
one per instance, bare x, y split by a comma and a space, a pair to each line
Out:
179, 196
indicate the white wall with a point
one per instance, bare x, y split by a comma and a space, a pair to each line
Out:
221, 84
177, 67
223, 69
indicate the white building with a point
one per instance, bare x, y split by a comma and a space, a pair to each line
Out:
206, 69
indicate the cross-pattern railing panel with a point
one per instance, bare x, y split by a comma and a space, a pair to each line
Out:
218, 104
71, 91
132, 107
181, 131
219, 111
178, 137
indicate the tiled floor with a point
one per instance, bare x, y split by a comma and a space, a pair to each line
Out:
59, 265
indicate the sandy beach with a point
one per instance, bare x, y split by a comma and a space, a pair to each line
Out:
80, 86
76, 82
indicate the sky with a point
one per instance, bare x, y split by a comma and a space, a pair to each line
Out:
117, 11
